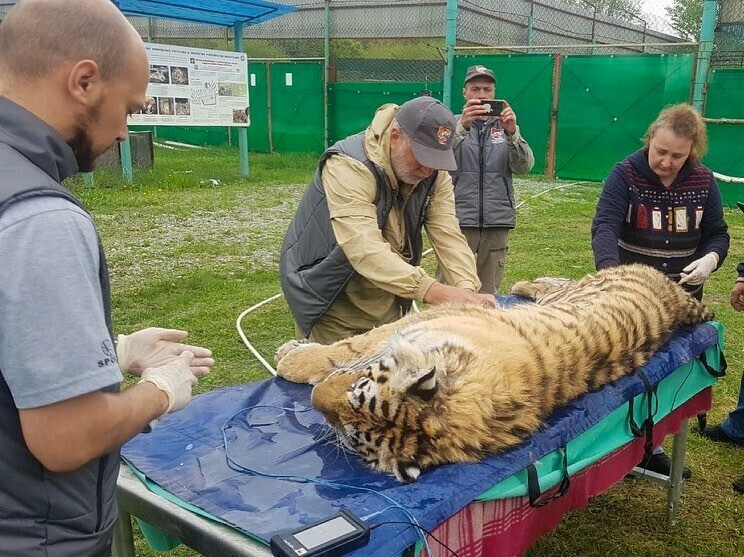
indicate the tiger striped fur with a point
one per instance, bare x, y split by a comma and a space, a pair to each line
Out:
457, 383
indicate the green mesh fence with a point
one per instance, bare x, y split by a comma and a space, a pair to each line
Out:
297, 114
726, 156
383, 51
558, 22
606, 104
525, 81
258, 97
352, 105
390, 35
286, 109
725, 99
354, 70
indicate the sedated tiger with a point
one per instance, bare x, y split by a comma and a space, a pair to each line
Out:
457, 383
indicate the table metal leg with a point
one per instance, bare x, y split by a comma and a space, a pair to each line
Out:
123, 543
675, 475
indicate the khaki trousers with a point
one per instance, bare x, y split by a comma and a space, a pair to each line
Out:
490, 246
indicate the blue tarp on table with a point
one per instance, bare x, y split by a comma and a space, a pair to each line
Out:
270, 427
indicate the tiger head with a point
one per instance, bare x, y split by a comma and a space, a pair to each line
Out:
389, 413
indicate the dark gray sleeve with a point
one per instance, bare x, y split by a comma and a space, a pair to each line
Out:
521, 158
54, 344
608, 219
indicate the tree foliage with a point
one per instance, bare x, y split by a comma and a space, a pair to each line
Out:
620, 9
686, 17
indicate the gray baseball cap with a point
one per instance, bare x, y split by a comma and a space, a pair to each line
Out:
431, 128
479, 71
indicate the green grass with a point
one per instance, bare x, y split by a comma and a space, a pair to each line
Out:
185, 253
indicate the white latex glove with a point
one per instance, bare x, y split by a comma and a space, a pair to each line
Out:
174, 379
699, 270
154, 347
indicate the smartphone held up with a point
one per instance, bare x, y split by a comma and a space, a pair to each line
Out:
493, 106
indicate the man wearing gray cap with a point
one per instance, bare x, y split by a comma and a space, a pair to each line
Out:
488, 148
350, 259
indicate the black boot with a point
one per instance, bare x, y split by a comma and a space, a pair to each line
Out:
716, 433
662, 464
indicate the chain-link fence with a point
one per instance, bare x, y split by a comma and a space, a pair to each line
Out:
565, 27
729, 43
403, 40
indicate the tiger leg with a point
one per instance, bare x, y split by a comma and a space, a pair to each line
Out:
309, 362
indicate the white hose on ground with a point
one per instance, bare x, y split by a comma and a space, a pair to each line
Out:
268, 366
255, 352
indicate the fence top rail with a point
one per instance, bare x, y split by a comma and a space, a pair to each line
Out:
285, 59
594, 45
724, 120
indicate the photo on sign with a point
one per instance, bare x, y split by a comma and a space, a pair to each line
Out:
150, 106
179, 75
183, 106
240, 115
159, 74
239, 90
230, 89
165, 106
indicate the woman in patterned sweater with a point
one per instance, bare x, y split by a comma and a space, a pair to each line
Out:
662, 207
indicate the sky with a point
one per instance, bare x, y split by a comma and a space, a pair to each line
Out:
656, 9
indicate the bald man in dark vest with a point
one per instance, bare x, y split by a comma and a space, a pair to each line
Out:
70, 73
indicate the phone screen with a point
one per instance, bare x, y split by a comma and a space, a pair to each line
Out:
493, 106
323, 533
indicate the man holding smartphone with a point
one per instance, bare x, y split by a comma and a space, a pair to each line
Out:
488, 149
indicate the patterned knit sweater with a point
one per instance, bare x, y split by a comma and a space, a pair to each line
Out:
640, 220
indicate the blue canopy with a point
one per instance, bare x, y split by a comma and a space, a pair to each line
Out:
216, 12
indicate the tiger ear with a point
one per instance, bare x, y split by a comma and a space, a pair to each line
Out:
423, 384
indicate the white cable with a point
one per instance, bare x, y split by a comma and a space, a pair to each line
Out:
413, 305
549, 190
245, 339
186, 145
164, 146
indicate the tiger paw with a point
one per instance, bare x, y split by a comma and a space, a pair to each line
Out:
289, 346
301, 361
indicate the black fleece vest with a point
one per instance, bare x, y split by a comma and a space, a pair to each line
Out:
43, 513
313, 268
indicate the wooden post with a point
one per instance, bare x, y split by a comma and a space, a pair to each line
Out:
550, 163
